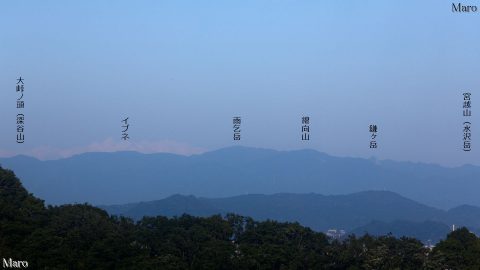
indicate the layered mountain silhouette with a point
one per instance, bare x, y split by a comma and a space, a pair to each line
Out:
122, 177
373, 212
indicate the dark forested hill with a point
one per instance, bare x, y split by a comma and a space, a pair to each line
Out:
81, 237
123, 177
316, 211
374, 212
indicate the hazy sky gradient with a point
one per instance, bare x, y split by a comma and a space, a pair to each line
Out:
182, 69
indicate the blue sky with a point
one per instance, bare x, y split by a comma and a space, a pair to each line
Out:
182, 69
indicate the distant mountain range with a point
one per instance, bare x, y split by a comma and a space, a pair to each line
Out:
122, 177
374, 212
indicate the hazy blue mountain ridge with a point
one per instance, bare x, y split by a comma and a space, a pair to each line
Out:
122, 177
